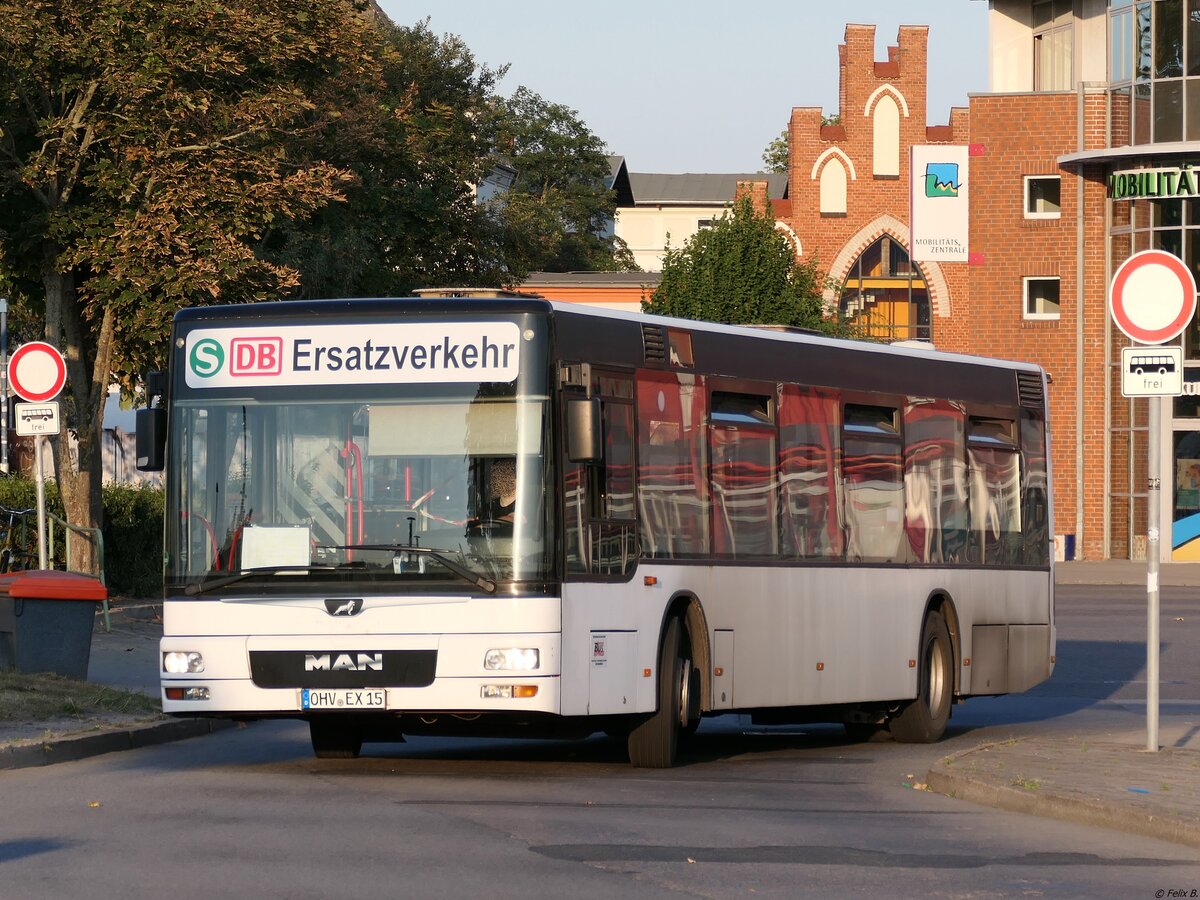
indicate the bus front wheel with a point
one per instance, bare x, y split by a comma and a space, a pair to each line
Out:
335, 737
654, 743
923, 720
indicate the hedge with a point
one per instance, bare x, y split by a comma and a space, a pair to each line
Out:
133, 525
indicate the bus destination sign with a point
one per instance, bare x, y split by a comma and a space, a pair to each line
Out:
380, 353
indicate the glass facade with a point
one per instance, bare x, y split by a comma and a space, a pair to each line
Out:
1154, 71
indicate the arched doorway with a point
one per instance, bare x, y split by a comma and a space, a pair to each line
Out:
885, 296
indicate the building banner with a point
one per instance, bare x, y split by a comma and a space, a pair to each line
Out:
939, 208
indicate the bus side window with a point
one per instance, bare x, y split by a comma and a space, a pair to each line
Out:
873, 483
672, 488
935, 480
809, 428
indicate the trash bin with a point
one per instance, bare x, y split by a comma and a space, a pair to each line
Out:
46, 620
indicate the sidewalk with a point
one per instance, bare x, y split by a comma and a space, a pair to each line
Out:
126, 658
1117, 786
1125, 571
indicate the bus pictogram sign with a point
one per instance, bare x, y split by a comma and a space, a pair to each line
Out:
37, 371
1152, 297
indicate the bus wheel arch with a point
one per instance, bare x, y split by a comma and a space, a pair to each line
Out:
923, 719
679, 686
943, 603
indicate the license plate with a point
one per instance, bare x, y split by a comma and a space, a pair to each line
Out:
373, 698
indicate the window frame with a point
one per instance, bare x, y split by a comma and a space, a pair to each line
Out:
1026, 281
1028, 181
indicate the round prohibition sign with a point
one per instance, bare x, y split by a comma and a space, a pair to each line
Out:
1152, 297
37, 371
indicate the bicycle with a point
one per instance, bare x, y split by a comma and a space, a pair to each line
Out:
17, 542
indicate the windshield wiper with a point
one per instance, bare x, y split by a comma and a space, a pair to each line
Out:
201, 586
441, 556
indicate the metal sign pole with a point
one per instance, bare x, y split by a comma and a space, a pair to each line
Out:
1153, 512
38, 442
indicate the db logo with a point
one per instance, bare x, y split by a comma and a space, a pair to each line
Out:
256, 356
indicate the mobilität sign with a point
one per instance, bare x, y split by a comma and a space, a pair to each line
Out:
1163, 182
939, 214
378, 353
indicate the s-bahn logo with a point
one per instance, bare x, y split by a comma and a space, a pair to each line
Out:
248, 357
207, 358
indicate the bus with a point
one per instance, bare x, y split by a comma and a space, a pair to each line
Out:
515, 517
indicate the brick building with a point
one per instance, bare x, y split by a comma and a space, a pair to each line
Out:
1085, 97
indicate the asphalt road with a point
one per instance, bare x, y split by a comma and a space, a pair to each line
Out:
752, 812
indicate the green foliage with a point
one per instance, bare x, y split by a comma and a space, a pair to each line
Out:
415, 144
741, 271
777, 156
133, 528
555, 216
145, 148
133, 533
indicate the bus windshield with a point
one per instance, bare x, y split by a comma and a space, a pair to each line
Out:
411, 492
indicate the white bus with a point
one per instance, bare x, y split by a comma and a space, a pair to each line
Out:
516, 517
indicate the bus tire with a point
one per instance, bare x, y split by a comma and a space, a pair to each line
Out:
923, 720
654, 743
335, 737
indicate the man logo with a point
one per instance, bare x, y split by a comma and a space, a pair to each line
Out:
343, 662
343, 607
207, 358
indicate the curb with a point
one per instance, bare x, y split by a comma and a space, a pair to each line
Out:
47, 753
1055, 806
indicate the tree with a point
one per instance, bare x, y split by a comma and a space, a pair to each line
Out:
556, 216
777, 156
144, 149
415, 147
741, 271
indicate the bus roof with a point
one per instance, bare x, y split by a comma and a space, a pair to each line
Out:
562, 309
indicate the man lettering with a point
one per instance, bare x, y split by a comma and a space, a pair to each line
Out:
449, 353
469, 354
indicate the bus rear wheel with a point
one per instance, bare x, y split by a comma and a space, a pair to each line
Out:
334, 737
923, 720
654, 743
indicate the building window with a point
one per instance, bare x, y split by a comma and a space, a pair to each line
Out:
1041, 298
1053, 44
885, 127
884, 296
701, 224
1042, 193
833, 188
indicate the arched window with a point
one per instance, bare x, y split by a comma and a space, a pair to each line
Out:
833, 188
885, 127
885, 296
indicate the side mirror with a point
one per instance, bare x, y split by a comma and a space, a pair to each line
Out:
151, 439
584, 443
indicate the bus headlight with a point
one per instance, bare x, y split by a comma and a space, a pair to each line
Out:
179, 662
518, 659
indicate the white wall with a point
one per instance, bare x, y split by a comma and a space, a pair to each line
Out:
644, 229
